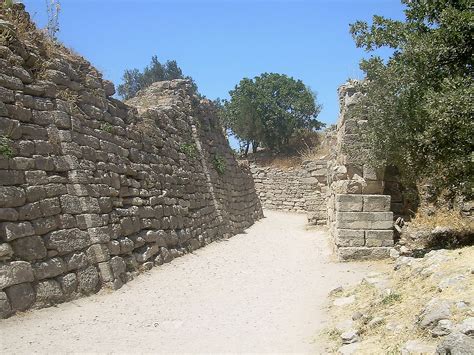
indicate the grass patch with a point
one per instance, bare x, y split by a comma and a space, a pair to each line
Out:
6, 150
219, 164
391, 299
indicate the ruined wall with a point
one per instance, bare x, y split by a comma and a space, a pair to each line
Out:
360, 218
92, 190
297, 189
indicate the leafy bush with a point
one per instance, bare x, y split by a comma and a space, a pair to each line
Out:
419, 103
6, 150
134, 80
106, 127
219, 163
189, 149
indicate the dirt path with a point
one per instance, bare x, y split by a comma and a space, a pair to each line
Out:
262, 291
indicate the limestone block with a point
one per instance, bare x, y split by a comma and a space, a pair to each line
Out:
29, 248
12, 230
363, 253
349, 238
376, 203
68, 283
379, 238
14, 273
5, 307
349, 203
21, 296
118, 266
373, 187
98, 253
8, 214
364, 220
105, 272
48, 293
88, 280
49, 268
67, 240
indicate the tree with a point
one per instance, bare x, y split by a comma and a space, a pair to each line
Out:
419, 102
134, 80
269, 109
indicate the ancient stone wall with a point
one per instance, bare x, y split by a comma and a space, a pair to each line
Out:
92, 190
296, 189
359, 209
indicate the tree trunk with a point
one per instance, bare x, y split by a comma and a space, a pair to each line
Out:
247, 146
254, 147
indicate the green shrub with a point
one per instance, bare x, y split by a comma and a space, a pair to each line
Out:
189, 149
5, 147
106, 127
219, 164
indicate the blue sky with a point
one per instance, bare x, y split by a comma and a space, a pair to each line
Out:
218, 42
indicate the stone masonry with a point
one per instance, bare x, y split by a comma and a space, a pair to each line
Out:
297, 189
359, 213
92, 190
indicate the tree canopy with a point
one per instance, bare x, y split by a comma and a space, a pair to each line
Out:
134, 80
269, 109
419, 102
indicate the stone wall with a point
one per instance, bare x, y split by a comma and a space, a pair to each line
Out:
360, 217
93, 191
296, 189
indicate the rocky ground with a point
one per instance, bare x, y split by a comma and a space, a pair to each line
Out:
418, 306
262, 292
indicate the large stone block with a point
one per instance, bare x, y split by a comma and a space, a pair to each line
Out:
349, 238
88, 280
362, 253
15, 273
379, 238
67, 240
376, 203
98, 253
21, 296
13, 230
5, 307
349, 203
29, 248
48, 293
364, 220
49, 268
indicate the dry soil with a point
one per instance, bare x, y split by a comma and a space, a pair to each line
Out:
264, 291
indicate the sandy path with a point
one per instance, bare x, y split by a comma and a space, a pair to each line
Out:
263, 291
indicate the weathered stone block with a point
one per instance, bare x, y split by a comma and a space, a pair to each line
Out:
118, 266
98, 253
68, 283
29, 248
346, 203
5, 307
364, 220
88, 280
21, 296
362, 253
49, 268
379, 238
376, 203
373, 187
8, 214
48, 293
13, 230
14, 273
349, 238
76, 261
67, 240
12, 196
105, 272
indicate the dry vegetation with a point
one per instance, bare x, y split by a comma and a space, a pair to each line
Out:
443, 217
389, 311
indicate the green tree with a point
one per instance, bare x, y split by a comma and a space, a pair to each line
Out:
134, 80
419, 102
269, 109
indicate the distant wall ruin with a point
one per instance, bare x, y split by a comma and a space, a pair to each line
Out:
92, 190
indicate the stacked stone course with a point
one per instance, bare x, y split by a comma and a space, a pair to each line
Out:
93, 190
297, 189
360, 216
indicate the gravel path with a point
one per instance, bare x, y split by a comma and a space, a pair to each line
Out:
262, 291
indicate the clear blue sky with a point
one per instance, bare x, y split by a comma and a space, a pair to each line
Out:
218, 42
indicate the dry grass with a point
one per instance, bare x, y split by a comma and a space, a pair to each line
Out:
410, 291
314, 153
443, 218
